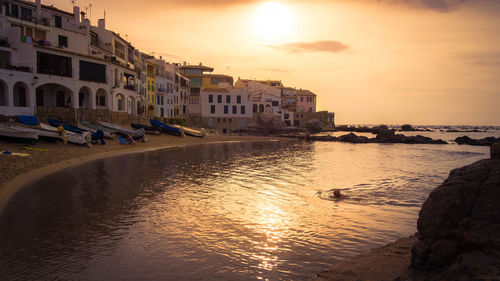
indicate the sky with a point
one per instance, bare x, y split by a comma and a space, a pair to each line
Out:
369, 61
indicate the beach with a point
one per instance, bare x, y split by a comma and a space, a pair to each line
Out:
16, 171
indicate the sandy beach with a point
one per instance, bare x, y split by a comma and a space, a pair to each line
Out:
16, 171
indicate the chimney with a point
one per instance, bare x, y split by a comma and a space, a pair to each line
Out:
76, 14
38, 4
82, 17
101, 24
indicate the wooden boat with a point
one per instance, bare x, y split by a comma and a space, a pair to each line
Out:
108, 133
193, 132
95, 126
19, 133
71, 137
167, 128
148, 129
139, 133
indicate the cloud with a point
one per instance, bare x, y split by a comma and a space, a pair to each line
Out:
482, 59
328, 46
436, 5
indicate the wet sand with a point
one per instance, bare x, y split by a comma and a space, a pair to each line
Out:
16, 171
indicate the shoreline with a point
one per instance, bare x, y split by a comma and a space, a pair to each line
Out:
20, 171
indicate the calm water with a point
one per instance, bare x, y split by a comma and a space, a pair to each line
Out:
236, 211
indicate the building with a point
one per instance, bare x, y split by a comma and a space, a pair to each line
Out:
305, 101
226, 109
54, 63
201, 77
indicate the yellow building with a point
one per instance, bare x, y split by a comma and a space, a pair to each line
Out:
201, 77
151, 89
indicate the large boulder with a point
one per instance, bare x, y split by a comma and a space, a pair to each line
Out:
460, 219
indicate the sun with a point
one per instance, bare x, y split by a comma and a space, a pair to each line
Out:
273, 21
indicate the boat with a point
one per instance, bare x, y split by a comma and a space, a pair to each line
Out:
139, 133
65, 125
71, 137
108, 133
19, 133
193, 132
167, 128
148, 129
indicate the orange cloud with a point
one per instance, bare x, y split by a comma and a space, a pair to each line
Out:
328, 46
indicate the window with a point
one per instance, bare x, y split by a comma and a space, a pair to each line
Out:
39, 34
94, 39
219, 99
226, 109
14, 11
94, 72
242, 109
235, 110
228, 99
275, 103
26, 14
6, 8
58, 21
301, 99
63, 41
238, 99
212, 109
119, 50
53, 64
210, 98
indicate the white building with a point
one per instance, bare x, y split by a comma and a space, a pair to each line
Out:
55, 62
226, 108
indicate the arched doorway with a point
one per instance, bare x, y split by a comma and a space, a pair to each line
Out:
261, 108
21, 97
85, 98
101, 98
54, 95
120, 102
131, 106
254, 108
268, 108
4, 94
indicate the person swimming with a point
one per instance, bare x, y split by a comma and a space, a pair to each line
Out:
338, 195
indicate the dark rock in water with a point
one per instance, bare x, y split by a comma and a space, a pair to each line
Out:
459, 224
481, 142
495, 151
406, 127
353, 138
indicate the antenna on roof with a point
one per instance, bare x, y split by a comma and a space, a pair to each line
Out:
90, 11
104, 14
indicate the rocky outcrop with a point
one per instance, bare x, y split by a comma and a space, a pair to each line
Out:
458, 234
481, 142
459, 224
383, 136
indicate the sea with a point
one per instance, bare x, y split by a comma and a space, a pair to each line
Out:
227, 211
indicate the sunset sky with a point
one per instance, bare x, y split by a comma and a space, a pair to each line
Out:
370, 62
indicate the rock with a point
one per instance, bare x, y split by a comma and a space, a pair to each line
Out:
461, 217
481, 142
495, 150
406, 127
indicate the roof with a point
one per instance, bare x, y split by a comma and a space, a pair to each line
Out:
202, 67
266, 82
305, 93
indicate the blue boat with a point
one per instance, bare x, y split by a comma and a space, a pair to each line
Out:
148, 129
166, 128
65, 125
